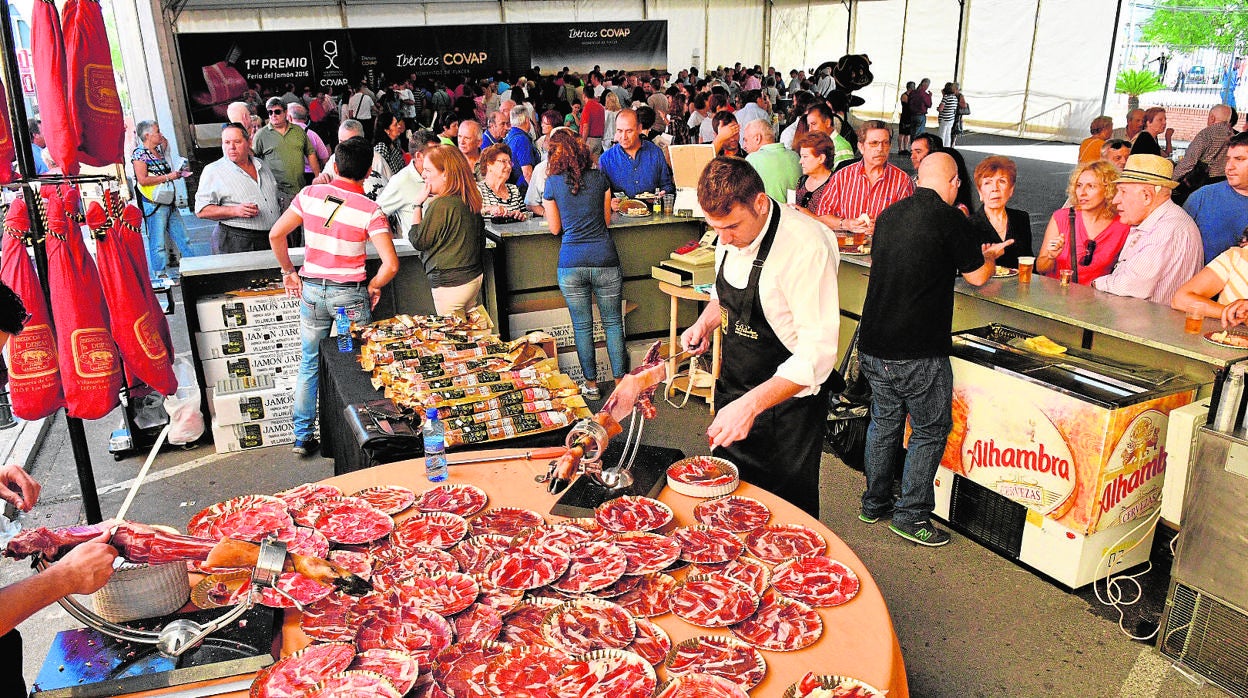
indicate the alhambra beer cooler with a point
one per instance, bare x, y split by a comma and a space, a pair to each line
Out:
1055, 460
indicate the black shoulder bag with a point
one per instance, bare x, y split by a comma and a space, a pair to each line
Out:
1070, 246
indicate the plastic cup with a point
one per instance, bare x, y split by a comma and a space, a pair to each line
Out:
1025, 265
790, 196
1195, 320
669, 203
1064, 276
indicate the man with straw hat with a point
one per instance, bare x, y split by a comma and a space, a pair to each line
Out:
1163, 249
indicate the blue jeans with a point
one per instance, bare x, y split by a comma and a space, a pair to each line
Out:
922, 389
578, 284
163, 223
316, 316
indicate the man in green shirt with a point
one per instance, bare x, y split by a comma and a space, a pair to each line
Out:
776, 164
284, 147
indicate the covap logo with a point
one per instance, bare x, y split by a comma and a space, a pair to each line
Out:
330, 49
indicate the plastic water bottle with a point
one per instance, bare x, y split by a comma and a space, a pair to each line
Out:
343, 323
434, 434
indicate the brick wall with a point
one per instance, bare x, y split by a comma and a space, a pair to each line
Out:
1186, 121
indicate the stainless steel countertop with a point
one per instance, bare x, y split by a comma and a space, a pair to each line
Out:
264, 259
1130, 319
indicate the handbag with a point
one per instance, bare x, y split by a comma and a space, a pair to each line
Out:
384, 432
1192, 180
164, 194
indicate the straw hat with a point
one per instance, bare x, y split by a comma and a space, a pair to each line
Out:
1148, 169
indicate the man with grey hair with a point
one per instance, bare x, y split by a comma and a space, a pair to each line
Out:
378, 175
239, 193
285, 148
776, 164
523, 155
398, 199
469, 142
496, 126
1163, 249
298, 115
240, 113
1209, 147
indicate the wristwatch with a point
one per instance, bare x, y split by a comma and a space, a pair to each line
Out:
287, 273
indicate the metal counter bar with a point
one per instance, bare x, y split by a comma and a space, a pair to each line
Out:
1117, 327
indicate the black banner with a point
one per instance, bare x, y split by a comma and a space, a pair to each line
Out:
631, 46
219, 68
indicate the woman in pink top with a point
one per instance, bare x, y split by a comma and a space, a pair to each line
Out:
1099, 233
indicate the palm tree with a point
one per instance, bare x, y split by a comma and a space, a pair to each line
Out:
1134, 83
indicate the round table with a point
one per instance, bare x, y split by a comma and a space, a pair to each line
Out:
858, 638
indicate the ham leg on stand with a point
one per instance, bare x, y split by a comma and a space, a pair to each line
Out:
143, 544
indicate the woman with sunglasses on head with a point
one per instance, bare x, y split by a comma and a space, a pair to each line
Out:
995, 177
1099, 233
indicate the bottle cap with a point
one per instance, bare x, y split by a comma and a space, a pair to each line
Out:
342, 311
431, 413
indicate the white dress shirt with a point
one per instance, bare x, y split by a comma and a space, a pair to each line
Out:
398, 197
224, 183
1160, 255
798, 292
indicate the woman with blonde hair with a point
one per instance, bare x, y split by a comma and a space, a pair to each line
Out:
610, 102
1099, 232
449, 231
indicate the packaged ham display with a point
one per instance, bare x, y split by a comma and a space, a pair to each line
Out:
484, 389
34, 371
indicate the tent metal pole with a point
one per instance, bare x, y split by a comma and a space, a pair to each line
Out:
26, 169
1109, 62
1031, 62
957, 54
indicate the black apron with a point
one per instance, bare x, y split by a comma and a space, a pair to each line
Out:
782, 452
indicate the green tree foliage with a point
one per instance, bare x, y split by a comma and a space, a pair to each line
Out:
1183, 24
1137, 82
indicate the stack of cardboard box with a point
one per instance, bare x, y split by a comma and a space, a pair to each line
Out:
250, 351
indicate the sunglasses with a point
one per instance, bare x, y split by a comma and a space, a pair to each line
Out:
276, 111
1087, 255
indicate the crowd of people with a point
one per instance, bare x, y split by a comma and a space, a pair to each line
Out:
433, 161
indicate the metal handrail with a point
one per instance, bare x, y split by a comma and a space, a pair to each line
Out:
1022, 124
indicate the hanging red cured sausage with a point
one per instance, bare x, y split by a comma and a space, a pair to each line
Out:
90, 364
94, 106
48, 61
126, 220
34, 376
134, 323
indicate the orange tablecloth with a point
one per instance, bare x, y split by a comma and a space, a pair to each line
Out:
858, 638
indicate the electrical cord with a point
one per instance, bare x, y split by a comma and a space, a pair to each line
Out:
1116, 593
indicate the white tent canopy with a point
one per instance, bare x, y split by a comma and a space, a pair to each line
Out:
1028, 67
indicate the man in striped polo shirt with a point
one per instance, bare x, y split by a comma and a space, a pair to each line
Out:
857, 193
337, 221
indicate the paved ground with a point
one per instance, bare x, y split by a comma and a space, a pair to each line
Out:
970, 622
